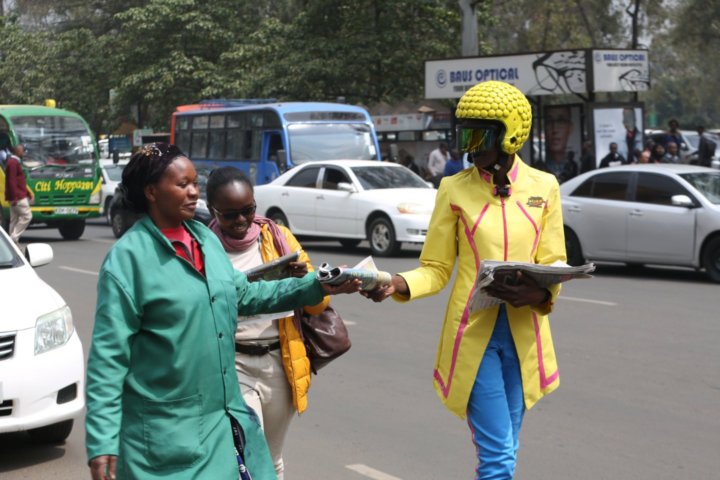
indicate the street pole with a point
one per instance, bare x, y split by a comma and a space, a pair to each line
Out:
469, 28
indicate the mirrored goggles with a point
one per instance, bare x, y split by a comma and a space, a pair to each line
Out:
477, 139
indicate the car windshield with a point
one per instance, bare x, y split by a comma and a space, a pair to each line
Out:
330, 141
8, 257
114, 172
707, 183
375, 178
52, 140
693, 140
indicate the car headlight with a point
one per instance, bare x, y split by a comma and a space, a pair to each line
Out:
53, 330
414, 208
95, 197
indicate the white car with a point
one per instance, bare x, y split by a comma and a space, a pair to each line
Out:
351, 200
111, 177
665, 214
42, 372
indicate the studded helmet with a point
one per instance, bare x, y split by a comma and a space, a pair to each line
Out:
497, 103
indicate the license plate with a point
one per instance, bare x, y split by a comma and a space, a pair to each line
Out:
66, 210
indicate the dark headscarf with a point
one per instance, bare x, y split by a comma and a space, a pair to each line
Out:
146, 167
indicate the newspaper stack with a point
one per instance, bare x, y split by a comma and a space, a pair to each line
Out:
365, 270
544, 275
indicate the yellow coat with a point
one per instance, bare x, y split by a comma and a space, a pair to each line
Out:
295, 360
472, 224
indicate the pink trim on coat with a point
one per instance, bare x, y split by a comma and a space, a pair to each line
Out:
537, 230
466, 311
544, 380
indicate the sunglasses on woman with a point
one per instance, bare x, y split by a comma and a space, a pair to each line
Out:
234, 214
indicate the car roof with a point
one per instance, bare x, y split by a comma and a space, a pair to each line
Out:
353, 163
670, 168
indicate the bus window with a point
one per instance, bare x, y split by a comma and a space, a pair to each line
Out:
201, 121
235, 144
217, 145
182, 140
199, 144
217, 121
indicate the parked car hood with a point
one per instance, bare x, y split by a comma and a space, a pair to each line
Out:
25, 298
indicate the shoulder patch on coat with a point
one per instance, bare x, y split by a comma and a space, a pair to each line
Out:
537, 202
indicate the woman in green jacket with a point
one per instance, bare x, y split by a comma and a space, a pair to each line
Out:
162, 396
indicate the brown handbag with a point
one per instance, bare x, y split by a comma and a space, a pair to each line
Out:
325, 337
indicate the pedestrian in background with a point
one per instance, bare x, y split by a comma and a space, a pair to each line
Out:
587, 158
270, 358
17, 194
454, 165
162, 396
494, 363
671, 155
409, 162
612, 159
436, 163
672, 134
657, 154
706, 148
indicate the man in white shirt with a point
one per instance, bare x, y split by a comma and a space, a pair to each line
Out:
436, 163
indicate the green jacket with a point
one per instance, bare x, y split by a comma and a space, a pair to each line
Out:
161, 381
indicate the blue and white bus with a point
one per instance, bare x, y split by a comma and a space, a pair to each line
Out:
265, 139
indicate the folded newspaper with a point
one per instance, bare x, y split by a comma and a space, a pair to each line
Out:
274, 269
365, 270
544, 275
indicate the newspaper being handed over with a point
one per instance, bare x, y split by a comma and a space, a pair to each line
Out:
544, 275
365, 270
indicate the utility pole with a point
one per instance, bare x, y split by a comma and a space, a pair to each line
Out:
469, 27
634, 15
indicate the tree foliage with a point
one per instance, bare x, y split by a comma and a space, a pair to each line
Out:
156, 54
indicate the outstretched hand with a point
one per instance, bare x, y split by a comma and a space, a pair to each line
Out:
349, 286
397, 285
518, 290
103, 467
297, 269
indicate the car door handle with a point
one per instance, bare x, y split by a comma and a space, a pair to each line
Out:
574, 209
320, 197
636, 213
284, 194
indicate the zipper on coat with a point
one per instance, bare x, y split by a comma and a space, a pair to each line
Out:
505, 233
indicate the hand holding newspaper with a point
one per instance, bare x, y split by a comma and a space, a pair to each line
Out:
365, 270
544, 275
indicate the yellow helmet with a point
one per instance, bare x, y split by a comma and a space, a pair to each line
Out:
495, 102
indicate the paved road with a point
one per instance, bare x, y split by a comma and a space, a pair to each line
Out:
638, 352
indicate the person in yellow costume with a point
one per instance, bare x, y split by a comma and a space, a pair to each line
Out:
495, 363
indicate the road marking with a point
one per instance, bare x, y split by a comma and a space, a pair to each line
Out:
368, 472
349, 322
101, 240
78, 270
587, 300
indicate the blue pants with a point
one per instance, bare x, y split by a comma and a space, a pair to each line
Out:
496, 407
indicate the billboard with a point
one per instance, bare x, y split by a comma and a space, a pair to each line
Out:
534, 73
621, 124
621, 71
563, 135
543, 73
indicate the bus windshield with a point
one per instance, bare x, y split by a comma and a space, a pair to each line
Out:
54, 140
330, 141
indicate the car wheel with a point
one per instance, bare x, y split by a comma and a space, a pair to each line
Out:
381, 236
573, 249
71, 229
55, 433
119, 223
349, 242
711, 259
278, 217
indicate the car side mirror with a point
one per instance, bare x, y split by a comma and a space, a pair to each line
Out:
346, 187
38, 254
682, 201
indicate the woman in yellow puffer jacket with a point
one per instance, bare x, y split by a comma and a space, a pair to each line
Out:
271, 362
495, 363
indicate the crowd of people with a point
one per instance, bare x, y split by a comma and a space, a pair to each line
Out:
181, 386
